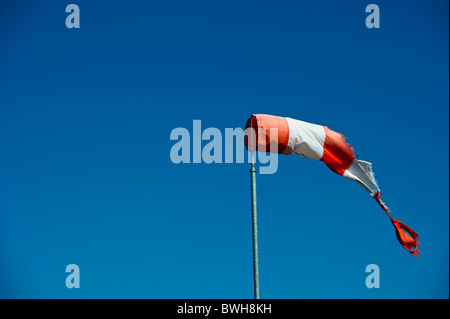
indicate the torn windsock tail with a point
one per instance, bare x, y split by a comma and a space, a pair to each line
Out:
361, 172
401, 230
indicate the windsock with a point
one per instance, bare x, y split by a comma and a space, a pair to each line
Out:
320, 143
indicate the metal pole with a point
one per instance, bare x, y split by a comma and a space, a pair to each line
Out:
255, 232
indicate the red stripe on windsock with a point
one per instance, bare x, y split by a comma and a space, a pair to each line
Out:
337, 154
262, 124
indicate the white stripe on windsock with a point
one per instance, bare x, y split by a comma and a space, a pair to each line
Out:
361, 172
305, 139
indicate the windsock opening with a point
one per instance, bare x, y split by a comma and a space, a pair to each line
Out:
262, 125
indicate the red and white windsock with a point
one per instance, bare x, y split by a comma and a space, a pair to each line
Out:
320, 143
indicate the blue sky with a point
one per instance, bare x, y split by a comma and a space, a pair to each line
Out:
86, 176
